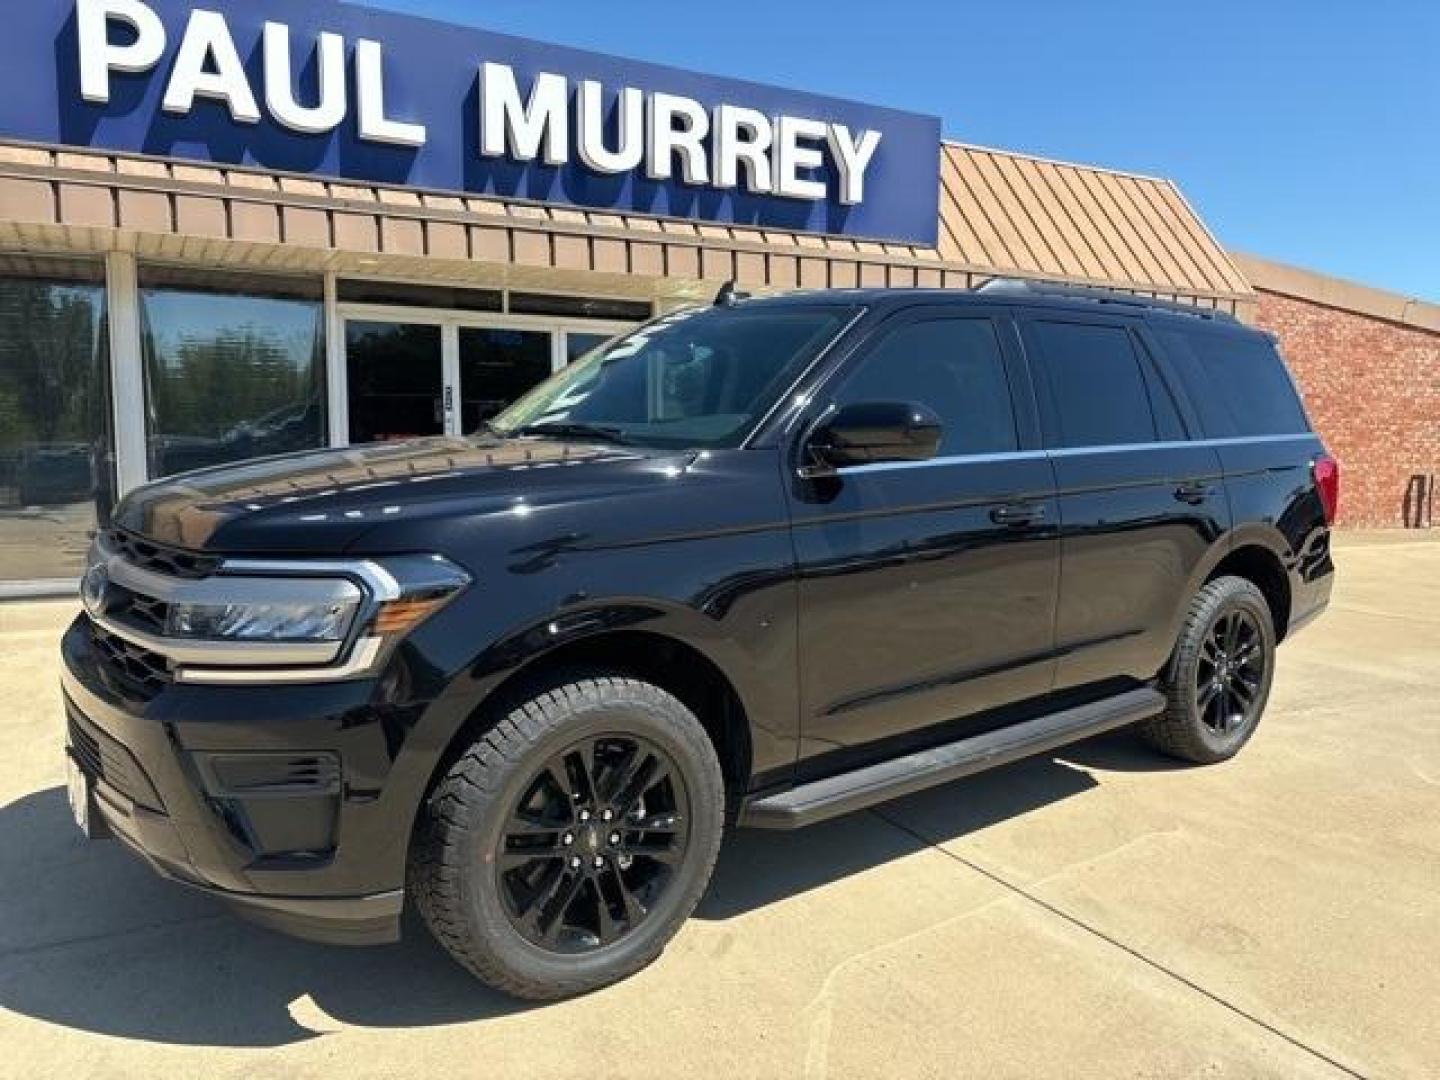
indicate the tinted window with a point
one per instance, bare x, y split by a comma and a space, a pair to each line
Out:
1162, 401
1238, 383
956, 368
231, 375
1091, 386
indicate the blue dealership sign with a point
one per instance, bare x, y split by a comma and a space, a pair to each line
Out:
329, 89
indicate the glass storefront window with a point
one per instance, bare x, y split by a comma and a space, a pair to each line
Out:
56, 457
234, 367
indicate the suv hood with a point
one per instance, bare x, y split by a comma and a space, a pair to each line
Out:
322, 502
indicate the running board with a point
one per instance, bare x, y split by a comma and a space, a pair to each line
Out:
836, 795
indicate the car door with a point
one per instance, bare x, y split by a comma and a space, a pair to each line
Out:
1140, 503
927, 590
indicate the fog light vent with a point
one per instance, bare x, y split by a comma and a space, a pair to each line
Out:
267, 775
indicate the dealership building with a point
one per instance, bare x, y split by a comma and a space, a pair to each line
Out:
233, 229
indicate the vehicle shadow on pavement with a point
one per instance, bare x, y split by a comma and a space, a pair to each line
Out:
90, 939
757, 867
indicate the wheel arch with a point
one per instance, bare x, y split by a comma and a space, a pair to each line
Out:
1262, 567
663, 660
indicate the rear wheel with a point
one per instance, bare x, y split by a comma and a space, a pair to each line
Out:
569, 842
1218, 680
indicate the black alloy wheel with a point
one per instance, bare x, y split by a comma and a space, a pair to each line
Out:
564, 846
593, 843
1230, 673
1217, 681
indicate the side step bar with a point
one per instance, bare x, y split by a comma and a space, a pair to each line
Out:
836, 795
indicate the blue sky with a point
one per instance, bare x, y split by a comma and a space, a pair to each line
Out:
1307, 132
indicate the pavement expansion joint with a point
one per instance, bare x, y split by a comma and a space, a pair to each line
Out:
1096, 932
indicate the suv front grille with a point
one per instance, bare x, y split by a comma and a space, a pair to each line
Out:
160, 559
146, 613
101, 757
135, 671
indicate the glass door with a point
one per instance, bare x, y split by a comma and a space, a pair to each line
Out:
396, 380
411, 372
497, 366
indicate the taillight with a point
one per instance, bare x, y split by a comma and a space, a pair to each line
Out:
1327, 482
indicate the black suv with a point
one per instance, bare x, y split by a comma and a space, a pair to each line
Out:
762, 563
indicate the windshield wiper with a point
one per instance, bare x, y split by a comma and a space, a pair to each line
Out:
576, 431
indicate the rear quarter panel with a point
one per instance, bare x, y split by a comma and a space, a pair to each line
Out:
1275, 504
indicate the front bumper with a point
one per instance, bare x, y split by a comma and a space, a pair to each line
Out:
247, 792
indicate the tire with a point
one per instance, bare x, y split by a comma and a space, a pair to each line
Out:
1203, 724
494, 835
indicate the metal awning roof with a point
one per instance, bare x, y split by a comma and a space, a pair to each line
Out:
1000, 214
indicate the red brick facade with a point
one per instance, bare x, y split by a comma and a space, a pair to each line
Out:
1372, 388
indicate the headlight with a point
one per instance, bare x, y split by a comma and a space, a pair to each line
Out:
246, 608
324, 621
263, 620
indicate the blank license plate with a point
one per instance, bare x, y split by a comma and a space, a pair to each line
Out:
77, 787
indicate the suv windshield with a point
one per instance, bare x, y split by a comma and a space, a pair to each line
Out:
698, 378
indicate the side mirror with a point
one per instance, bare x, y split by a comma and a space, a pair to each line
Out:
871, 432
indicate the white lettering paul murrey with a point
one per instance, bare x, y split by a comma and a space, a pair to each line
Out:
670, 136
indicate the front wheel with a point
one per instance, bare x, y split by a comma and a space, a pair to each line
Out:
1218, 679
566, 846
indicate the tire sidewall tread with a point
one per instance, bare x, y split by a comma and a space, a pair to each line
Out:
452, 880
1179, 732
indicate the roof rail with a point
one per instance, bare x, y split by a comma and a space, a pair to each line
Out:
1026, 287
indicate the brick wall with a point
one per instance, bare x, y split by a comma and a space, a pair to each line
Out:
1372, 388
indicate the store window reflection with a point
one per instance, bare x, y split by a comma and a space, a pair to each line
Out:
234, 367
56, 461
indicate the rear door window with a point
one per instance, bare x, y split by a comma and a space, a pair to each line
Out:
1238, 383
1092, 385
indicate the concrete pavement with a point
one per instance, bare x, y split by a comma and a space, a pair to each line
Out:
1095, 913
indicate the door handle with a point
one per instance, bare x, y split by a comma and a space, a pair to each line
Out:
1194, 492
1018, 514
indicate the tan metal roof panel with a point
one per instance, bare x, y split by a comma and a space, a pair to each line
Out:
1011, 213
998, 214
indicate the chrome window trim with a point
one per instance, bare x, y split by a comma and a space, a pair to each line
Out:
948, 459
1069, 451
1176, 444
